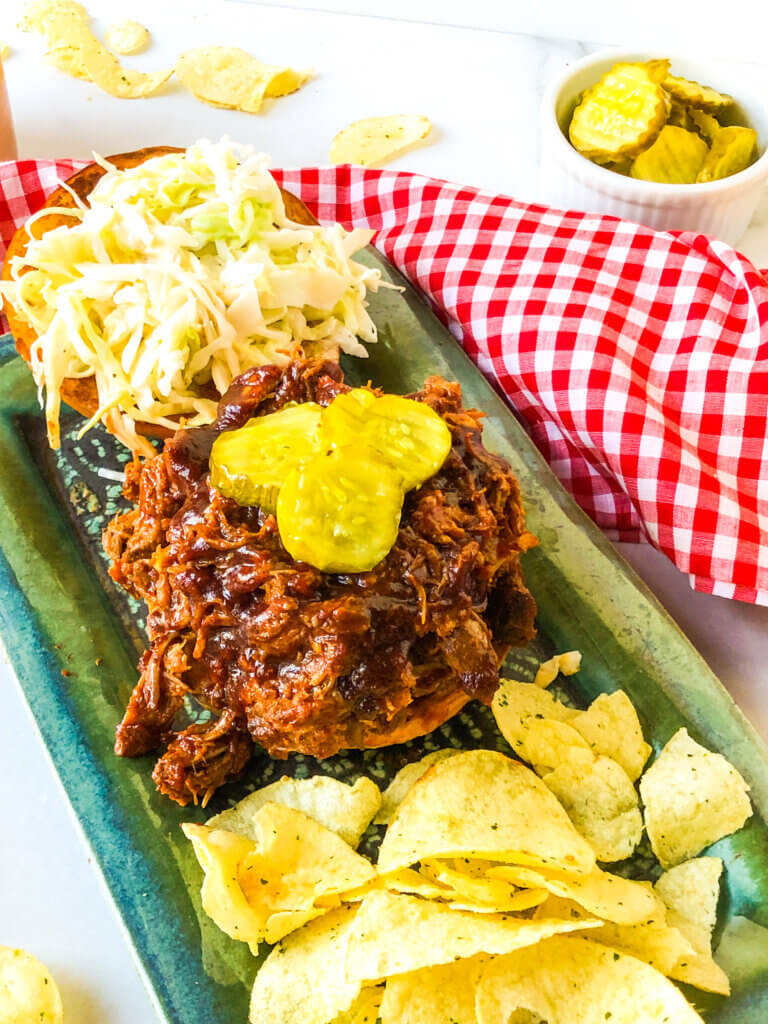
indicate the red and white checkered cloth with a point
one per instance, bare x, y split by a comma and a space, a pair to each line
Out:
638, 360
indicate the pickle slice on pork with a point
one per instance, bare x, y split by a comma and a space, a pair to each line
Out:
409, 435
340, 512
250, 465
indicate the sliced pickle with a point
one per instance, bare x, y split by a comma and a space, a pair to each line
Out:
409, 435
733, 149
658, 70
705, 124
681, 116
341, 512
620, 115
675, 158
695, 95
251, 464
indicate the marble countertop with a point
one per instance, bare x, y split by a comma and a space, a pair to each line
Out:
481, 84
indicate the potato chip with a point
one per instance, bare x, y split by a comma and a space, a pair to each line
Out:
695, 95
660, 942
566, 979
39, 14
409, 774
602, 803
601, 894
550, 744
611, 727
264, 888
126, 37
620, 115
376, 140
410, 881
483, 804
692, 798
692, 889
515, 704
344, 809
568, 664
479, 893
74, 49
365, 1009
437, 994
28, 993
395, 934
674, 158
226, 76
303, 980
733, 149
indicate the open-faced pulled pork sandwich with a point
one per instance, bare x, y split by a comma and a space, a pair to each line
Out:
414, 597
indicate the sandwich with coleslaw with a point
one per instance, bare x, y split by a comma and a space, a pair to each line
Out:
149, 281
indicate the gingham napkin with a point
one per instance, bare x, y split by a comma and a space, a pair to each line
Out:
638, 360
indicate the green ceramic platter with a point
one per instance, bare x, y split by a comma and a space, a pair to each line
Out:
59, 613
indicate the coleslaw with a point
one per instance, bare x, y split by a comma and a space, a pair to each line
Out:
180, 274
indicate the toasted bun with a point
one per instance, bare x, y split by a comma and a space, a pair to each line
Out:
422, 717
81, 393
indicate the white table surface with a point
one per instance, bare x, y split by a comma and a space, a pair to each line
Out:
481, 85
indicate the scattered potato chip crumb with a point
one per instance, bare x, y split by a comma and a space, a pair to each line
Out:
568, 663
375, 140
127, 37
28, 993
226, 76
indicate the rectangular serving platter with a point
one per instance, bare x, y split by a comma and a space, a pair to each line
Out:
73, 640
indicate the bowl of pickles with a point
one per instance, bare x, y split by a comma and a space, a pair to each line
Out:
657, 140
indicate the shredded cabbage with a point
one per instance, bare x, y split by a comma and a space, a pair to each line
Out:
182, 273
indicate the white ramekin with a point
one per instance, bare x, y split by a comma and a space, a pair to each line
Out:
720, 208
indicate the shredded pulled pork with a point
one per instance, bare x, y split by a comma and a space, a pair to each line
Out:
292, 658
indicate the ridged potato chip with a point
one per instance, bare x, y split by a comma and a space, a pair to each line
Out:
403, 781
376, 140
692, 798
344, 809
126, 37
550, 744
675, 158
28, 993
74, 49
692, 889
620, 115
611, 727
481, 894
365, 1009
733, 149
569, 979
263, 889
602, 803
695, 95
665, 942
517, 705
396, 934
304, 980
437, 994
483, 804
600, 894
226, 76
